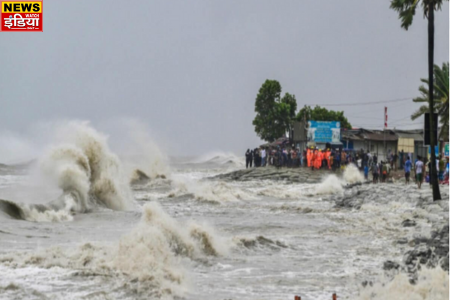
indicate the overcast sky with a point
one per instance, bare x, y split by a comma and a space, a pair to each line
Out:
190, 70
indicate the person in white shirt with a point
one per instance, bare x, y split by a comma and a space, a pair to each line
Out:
419, 171
263, 157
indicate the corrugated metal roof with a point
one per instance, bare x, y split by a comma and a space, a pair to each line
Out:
351, 137
279, 142
379, 136
416, 134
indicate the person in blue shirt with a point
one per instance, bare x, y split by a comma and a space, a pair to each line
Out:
337, 160
408, 166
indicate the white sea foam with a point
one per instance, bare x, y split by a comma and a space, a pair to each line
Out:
82, 166
330, 185
108, 184
352, 174
52, 215
148, 259
143, 152
432, 284
333, 184
210, 191
220, 158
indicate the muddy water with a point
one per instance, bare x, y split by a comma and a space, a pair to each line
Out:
188, 237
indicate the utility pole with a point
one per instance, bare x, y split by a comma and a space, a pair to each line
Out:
384, 132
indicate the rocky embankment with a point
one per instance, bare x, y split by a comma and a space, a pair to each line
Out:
430, 251
295, 175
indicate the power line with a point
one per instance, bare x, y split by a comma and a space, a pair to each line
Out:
361, 117
376, 126
391, 124
364, 103
398, 120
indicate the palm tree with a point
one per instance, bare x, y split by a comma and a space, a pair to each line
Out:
406, 10
441, 91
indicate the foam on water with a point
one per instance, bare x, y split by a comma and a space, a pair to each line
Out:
294, 237
352, 174
220, 158
103, 170
148, 260
51, 215
330, 185
333, 184
209, 191
432, 284
82, 166
278, 189
144, 153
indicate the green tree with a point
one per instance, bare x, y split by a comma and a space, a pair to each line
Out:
287, 109
406, 10
273, 114
323, 114
441, 88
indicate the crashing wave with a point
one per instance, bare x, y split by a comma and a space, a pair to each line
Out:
330, 185
208, 191
140, 177
335, 185
86, 171
146, 260
352, 175
219, 158
142, 153
259, 242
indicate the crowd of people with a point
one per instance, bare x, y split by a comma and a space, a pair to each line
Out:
338, 159
313, 158
420, 170
278, 157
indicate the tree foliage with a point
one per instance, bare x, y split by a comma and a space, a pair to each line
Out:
323, 114
441, 90
407, 9
274, 114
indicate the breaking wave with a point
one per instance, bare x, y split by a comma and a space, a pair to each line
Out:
332, 184
352, 175
143, 153
220, 158
146, 261
259, 242
86, 171
139, 177
208, 191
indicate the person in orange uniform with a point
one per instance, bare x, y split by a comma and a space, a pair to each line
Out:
308, 157
328, 157
318, 160
313, 158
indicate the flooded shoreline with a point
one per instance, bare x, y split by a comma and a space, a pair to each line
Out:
196, 233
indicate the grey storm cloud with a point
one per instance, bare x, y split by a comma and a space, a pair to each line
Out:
190, 70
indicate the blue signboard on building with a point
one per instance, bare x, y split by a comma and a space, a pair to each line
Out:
436, 150
324, 132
